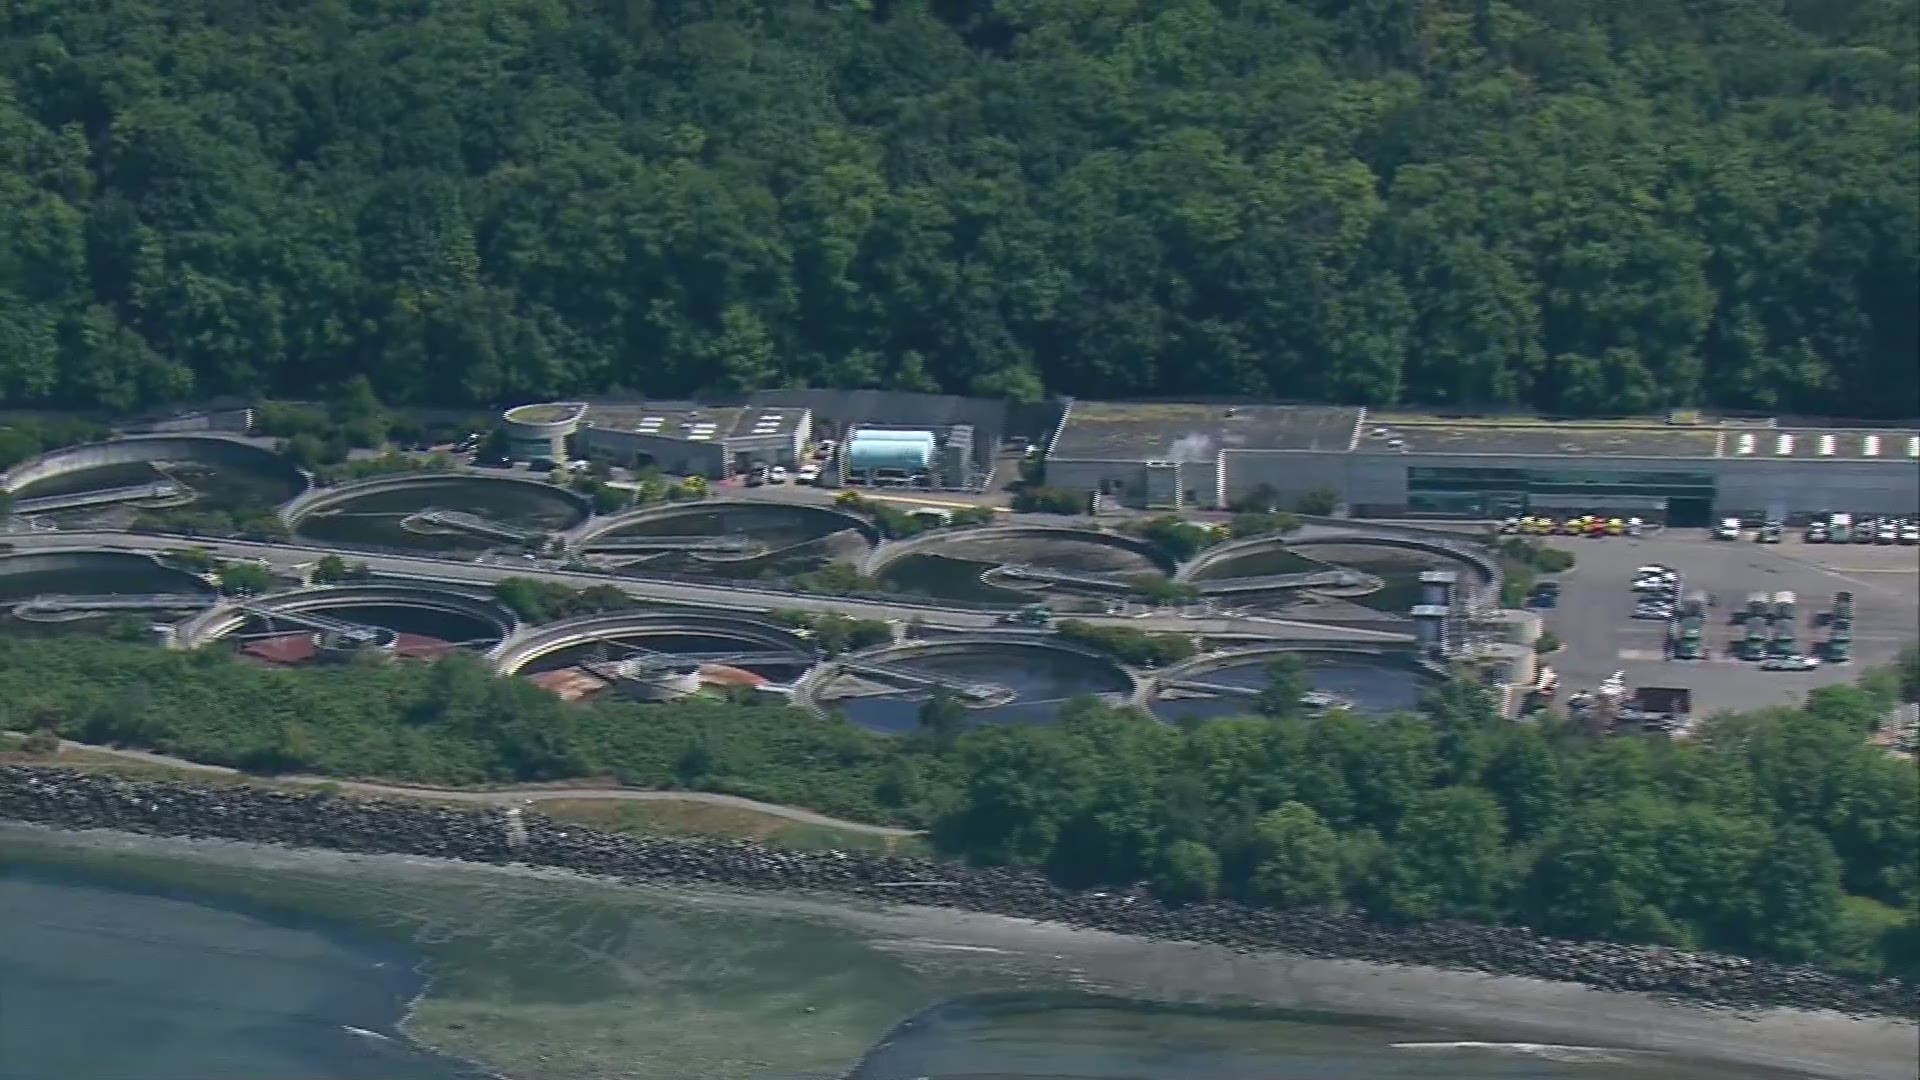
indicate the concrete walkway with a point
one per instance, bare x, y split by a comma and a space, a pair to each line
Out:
514, 795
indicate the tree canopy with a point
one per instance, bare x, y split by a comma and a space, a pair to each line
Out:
1581, 206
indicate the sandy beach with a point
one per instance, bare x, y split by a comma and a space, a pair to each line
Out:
1503, 1008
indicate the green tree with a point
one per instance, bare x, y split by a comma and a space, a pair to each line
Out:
1449, 856
244, 579
1287, 686
1300, 858
943, 717
1187, 870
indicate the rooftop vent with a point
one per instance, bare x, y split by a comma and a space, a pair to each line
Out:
1743, 446
1870, 446
1826, 446
1783, 446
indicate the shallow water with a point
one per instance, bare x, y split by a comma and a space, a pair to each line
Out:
1087, 1037
101, 982
169, 959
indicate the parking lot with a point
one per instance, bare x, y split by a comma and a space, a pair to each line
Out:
1594, 616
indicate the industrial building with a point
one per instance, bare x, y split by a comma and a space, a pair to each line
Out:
683, 438
1685, 470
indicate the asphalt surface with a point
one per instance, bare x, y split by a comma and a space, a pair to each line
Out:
1594, 617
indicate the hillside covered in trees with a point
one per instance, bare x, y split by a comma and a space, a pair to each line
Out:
1579, 206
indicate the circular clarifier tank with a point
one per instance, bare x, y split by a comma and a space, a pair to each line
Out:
729, 540
1369, 685
1398, 569
439, 513
696, 646
1011, 683
200, 474
91, 573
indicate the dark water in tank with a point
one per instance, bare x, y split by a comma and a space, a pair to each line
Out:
378, 518
1373, 687
400, 618
944, 577
1042, 679
1260, 564
628, 644
772, 524
225, 486
1398, 568
100, 575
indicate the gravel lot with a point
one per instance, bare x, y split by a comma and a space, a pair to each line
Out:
1595, 622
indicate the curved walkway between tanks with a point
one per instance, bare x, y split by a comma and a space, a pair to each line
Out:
507, 796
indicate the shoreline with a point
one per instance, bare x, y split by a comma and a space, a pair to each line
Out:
1503, 1008
1222, 937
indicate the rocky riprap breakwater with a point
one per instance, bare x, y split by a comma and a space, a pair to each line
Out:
80, 801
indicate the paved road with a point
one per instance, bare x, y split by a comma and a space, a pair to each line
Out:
520, 795
721, 595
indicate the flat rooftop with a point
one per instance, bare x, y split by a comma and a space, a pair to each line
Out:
1823, 444
692, 422
1112, 431
1539, 439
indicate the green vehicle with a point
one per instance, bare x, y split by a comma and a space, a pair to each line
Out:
1754, 645
1032, 615
1784, 643
1686, 644
1840, 645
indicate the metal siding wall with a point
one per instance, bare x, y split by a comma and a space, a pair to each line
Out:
1807, 487
1084, 476
1290, 473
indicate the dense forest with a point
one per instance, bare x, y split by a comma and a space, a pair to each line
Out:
1779, 834
1580, 206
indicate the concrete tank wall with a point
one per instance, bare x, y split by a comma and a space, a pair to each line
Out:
210, 449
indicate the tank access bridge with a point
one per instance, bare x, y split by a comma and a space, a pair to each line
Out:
47, 504
1336, 578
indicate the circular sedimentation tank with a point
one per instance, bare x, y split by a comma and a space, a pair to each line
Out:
966, 565
450, 513
618, 644
1369, 685
201, 474
757, 540
1391, 565
91, 573
422, 617
1019, 683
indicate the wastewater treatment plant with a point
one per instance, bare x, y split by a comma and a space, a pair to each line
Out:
711, 585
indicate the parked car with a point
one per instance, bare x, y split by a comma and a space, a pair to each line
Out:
1889, 532
1867, 531
1729, 529
1795, 662
807, 474
777, 474
1910, 532
1769, 533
